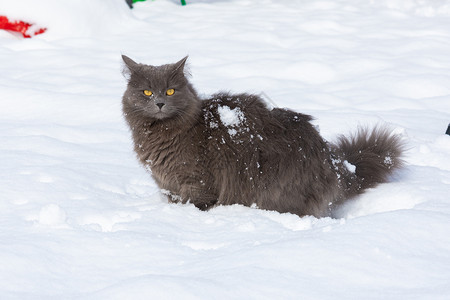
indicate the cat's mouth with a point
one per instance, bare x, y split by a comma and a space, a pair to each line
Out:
156, 113
160, 115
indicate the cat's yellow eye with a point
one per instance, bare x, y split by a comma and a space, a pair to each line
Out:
147, 93
170, 92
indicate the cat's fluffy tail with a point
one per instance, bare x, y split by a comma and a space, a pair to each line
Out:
375, 153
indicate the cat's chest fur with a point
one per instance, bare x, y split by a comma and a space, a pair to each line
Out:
172, 152
199, 157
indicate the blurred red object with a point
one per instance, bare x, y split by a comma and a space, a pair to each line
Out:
20, 26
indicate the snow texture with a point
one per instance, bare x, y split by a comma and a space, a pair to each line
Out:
350, 167
81, 219
231, 118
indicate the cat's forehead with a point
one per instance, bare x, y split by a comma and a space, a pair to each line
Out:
156, 77
157, 74
164, 70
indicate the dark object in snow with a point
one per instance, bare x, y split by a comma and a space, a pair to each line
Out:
26, 29
231, 149
448, 130
130, 2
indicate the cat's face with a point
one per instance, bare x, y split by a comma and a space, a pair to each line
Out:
159, 92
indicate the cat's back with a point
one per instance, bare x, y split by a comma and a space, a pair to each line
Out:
239, 115
234, 107
246, 117
257, 155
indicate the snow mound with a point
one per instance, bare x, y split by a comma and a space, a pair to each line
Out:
52, 214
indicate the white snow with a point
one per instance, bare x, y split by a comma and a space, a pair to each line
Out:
81, 219
349, 166
230, 117
52, 214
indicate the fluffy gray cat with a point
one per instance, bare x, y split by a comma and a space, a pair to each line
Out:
232, 149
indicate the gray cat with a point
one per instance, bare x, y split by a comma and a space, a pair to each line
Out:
232, 149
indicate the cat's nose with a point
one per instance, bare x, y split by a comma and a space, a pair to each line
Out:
160, 105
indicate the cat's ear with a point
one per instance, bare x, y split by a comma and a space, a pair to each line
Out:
131, 64
179, 66
179, 71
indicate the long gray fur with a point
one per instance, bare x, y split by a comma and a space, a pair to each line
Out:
274, 159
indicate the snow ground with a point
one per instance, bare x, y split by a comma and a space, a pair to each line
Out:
80, 219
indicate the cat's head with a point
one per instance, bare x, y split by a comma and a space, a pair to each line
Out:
159, 92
